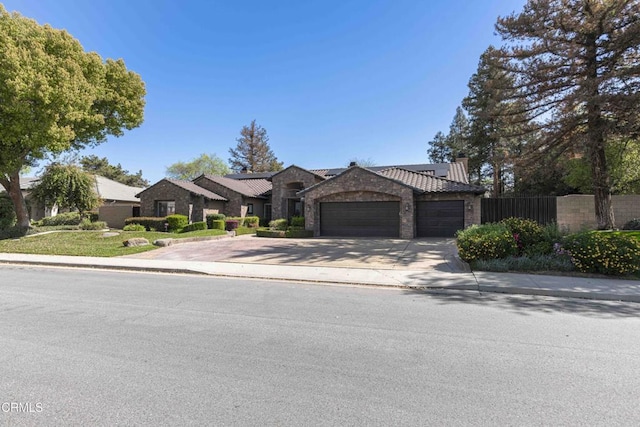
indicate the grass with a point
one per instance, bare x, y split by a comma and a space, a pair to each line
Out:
90, 243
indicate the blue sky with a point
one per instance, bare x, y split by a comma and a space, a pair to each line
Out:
329, 80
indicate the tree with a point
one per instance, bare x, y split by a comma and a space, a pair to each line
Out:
205, 164
365, 163
101, 166
56, 97
576, 70
253, 152
490, 136
67, 186
439, 151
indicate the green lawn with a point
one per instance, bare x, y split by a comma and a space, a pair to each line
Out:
90, 243
631, 233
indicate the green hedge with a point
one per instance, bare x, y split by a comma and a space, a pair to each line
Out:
217, 224
87, 224
67, 218
177, 222
200, 225
299, 233
214, 217
134, 227
297, 221
245, 230
270, 233
149, 222
279, 224
7, 212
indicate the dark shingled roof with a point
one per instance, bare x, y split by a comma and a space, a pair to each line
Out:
247, 187
428, 183
191, 187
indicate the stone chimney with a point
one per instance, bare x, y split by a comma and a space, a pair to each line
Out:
462, 158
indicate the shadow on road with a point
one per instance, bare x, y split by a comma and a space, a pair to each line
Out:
524, 305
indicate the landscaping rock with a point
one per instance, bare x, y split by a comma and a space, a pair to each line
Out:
163, 242
110, 234
136, 241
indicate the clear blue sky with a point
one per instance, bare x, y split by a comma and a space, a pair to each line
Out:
329, 80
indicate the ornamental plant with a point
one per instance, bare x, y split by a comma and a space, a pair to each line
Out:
526, 232
603, 253
487, 241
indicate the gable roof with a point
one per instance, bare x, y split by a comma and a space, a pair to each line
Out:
189, 186
109, 189
427, 183
256, 188
454, 171
312, 172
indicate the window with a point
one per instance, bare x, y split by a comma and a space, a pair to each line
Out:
249, 208
164, 208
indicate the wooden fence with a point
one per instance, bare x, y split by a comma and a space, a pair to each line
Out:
543, 209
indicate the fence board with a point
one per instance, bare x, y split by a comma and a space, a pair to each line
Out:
542, 209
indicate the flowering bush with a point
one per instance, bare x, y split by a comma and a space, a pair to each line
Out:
487, 241
604, 253
526, 232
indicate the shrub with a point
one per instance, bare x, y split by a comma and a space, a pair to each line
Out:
279, 224
550, 262
297, 221
93, 216
87, 224
217, 224
251, 221
298, 233
7, 213
151, 223
13, 232
488, 241
270, 233
67, 218
245, 230
214, 217
177, 222
634, 224
230, 224
526, 232
200, 225
604, 253
134, 227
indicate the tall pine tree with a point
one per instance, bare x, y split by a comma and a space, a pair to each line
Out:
576, 66
253, 153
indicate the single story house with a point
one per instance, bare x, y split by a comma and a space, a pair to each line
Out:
119, 201
405, 201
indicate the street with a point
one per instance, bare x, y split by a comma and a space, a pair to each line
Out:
91, 347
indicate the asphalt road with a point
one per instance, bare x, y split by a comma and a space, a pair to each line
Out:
106, 348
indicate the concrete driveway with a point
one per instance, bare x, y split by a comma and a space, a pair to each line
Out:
389, 254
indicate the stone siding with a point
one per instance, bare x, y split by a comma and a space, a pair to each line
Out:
280, 194
358, 185
577, 211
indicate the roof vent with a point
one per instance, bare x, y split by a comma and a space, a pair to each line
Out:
351, 164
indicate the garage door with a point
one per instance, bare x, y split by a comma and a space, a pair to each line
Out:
371, 219
439, 219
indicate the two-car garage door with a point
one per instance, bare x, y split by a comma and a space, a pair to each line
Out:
371, 219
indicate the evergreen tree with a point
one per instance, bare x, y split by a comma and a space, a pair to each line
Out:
253, 153
101, 166
575, 65
439, 151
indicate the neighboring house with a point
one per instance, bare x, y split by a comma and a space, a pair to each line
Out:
119, 201
172, 196
403, 201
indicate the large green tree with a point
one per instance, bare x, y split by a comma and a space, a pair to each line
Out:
67, 186
252, 153
205, 164
55, 97
101, 166
576, 65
